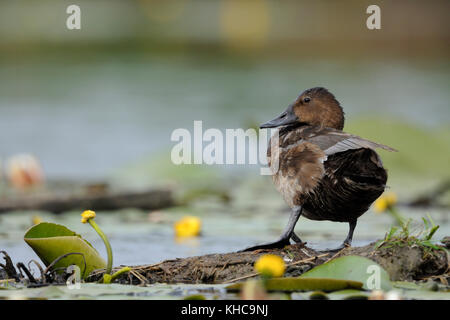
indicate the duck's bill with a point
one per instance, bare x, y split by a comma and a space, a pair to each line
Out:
284, 119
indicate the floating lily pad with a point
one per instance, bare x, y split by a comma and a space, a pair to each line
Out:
291, 284
195, 297
353, 268
50, 241
349, 294
426, 295
318, 295
406, 285
95, 291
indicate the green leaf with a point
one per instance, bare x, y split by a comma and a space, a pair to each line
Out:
426, 295
349, 294
195, 297
51, 241
391, 233
352, 268
318, 295
291, 284
407, 285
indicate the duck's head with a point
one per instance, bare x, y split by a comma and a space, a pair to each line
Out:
316, 107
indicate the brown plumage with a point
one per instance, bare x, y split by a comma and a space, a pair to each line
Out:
322, 172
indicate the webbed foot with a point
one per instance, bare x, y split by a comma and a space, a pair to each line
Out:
335, 250
281, 243
296, 238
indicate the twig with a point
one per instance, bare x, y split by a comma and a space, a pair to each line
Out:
62, 257
135, 268
336, 254
139, 277
144, 267
9, 267
307, 260
7, 281
20, 266
40, 269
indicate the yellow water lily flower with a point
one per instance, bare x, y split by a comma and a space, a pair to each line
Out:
36, 219
188, 226
270, 265
380, 205
384, 202
87, 215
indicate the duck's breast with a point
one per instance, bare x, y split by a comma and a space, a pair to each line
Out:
326, 165
297, 169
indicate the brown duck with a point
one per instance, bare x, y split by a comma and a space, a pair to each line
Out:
322, 172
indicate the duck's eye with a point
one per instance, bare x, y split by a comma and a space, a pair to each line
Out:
306, 100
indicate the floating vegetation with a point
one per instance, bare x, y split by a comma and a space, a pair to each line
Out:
188, 226
370, 274
58, 248
270, 265
291, 284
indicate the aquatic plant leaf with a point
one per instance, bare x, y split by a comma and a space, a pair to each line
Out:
318, 295
50, 241
349, 294
406, 285
352, 268
96, 291
291, 284
195, 297
426, 295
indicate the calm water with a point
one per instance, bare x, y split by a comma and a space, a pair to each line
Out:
86, 117
136, 240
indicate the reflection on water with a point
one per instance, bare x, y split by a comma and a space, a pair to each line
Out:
85, 119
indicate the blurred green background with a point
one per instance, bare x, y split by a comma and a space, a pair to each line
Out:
102, 102
89, 101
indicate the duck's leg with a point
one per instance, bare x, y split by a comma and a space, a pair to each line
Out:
348, 241
285, 236
296, 238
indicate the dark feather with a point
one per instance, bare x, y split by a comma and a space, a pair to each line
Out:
346, 173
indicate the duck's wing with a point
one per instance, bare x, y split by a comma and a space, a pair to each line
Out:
334, 141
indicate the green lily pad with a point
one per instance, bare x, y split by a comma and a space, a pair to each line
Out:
318, 295
349, 294
195, 297
407, 285
95, 291
50, 241
426, 295
291, 284
353, 268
